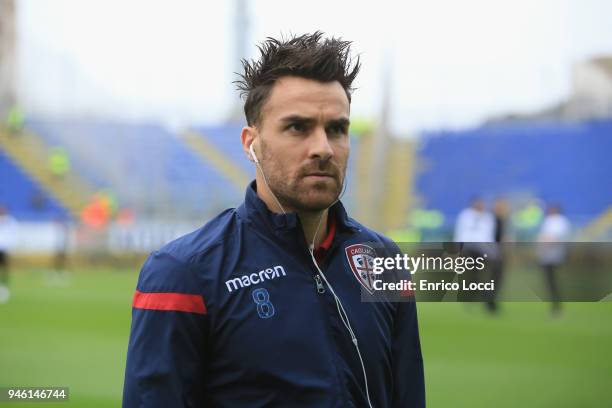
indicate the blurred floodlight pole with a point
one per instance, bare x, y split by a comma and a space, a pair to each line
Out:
380, 147
8, 96
241, 35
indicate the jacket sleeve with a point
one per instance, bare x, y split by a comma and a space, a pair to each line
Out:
408, 375
166, 351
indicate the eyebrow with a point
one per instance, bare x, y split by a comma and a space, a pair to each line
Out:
308, 120
344, 122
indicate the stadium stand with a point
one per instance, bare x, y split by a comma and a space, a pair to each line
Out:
146, 167
564, 163
226, 138
25, 199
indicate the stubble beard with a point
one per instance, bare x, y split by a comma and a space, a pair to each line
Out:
292, 192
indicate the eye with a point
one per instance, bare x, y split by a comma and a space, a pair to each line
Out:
338, 129
297, 127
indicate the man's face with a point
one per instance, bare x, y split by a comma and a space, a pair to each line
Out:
501, 207
303, 142
478, 205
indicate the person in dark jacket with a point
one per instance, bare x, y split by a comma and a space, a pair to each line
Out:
263, 306
498, 262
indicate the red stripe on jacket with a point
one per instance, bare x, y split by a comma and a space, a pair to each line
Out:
178, 302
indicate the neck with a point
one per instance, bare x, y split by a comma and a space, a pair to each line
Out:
314, 222
309, 219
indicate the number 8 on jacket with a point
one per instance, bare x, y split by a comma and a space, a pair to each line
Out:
261, 297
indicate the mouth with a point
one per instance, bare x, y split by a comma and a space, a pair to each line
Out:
320, 176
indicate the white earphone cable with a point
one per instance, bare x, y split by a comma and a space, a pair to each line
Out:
341, 311
345, 322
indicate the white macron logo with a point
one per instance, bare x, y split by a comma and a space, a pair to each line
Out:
255, 278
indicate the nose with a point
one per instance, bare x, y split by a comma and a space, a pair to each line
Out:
320, 147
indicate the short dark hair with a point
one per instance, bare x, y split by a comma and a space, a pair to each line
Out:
307, 56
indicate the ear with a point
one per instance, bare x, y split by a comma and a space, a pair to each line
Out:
247, 137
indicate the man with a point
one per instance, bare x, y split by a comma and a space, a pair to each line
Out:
262, 306
500, 233
552, 251
475, 224
58, 274
8, 234
475, 229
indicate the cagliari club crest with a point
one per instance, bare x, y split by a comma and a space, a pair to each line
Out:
361, 260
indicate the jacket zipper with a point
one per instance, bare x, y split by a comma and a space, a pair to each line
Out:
317, 276
319, 282
321, 290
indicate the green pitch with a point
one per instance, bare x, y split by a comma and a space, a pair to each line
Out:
76, 336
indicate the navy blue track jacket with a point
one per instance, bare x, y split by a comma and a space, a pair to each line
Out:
234, 315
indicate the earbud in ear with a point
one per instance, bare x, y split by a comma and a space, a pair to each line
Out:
252, 151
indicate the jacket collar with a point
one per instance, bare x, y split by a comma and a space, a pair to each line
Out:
255, 211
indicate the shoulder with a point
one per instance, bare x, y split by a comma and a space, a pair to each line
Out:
8, 220
214, 233
564, 220
376, 238
558, 222
174, 266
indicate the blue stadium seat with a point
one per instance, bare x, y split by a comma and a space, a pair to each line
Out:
226, 138
144, 165
24, 197
567, 164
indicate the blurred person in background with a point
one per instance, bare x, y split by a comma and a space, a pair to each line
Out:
262, 306
8, 237
475, 229
58, 276
500, 232
475, 224
59, 162
15, 120
552, 250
